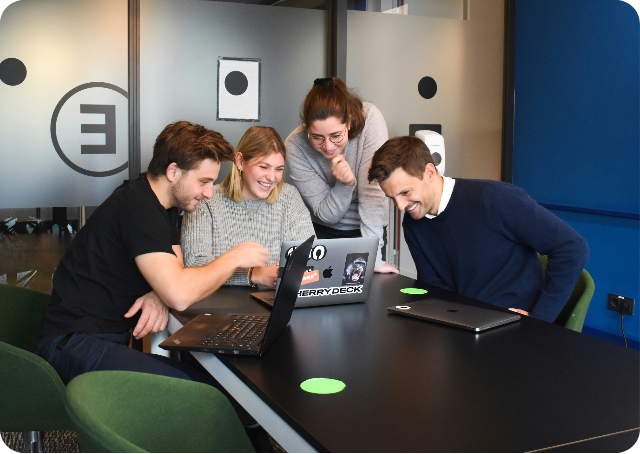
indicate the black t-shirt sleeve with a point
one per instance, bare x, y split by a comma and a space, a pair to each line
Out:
146, 227
176, 221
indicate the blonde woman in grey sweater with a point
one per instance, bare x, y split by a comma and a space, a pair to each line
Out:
253, 203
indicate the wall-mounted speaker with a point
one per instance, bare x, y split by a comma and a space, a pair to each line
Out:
435, 143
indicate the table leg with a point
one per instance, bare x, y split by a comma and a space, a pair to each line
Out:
156, 339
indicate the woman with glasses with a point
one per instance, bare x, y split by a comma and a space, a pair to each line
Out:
328, 158
253, 203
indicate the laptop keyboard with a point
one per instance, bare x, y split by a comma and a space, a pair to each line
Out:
243, 332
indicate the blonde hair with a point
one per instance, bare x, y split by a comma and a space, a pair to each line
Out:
257, 142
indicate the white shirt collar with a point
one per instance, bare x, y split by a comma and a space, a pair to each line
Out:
447, 190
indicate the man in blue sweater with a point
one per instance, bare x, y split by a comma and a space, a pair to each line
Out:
479, 238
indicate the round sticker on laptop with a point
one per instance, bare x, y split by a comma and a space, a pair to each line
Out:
404, 308
413, 291
322, 386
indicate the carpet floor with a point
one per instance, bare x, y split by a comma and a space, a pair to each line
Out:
54, 441
67, 441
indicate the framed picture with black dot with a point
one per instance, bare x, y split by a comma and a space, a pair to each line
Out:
238, 89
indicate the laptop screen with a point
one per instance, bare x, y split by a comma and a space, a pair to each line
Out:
287, 292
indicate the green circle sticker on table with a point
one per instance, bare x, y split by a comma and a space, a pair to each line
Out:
413, 291
322, 385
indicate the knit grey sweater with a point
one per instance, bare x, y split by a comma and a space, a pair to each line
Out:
363, 206
221, 223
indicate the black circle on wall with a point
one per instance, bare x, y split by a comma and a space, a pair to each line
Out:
427, 87
236, 83
12, 71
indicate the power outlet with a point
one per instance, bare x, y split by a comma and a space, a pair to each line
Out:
620, 304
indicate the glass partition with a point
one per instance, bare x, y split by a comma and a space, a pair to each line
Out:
306, 4
63, 126
445, 9
183, 42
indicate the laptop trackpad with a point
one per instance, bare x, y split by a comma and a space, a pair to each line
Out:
201, 329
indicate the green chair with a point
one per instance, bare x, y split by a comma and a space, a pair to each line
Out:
21, 310
32, 395
574, 312
122, 411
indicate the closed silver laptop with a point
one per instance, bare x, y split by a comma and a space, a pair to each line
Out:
455, 314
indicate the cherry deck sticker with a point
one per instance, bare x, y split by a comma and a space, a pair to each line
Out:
330, 291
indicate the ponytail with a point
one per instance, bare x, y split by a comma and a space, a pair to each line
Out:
330, 97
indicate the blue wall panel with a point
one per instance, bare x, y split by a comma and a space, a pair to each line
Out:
577, 133
614, 264
577, 115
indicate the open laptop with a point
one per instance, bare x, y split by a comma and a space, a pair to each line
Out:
339, 271
243, 334
455, 314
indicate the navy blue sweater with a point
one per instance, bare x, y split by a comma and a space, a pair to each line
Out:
484, 245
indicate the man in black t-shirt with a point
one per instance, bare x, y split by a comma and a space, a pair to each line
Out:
124, 269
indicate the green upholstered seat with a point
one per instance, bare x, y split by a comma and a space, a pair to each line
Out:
121, 411
31, 392
21, 310
574, 312
32, 395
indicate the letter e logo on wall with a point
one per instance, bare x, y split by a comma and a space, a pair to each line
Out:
89, 129
108, 128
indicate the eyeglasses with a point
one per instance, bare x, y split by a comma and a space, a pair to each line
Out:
334, 138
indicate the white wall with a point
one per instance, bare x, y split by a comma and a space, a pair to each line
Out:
387, 56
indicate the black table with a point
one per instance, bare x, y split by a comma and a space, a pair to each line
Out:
418, 386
